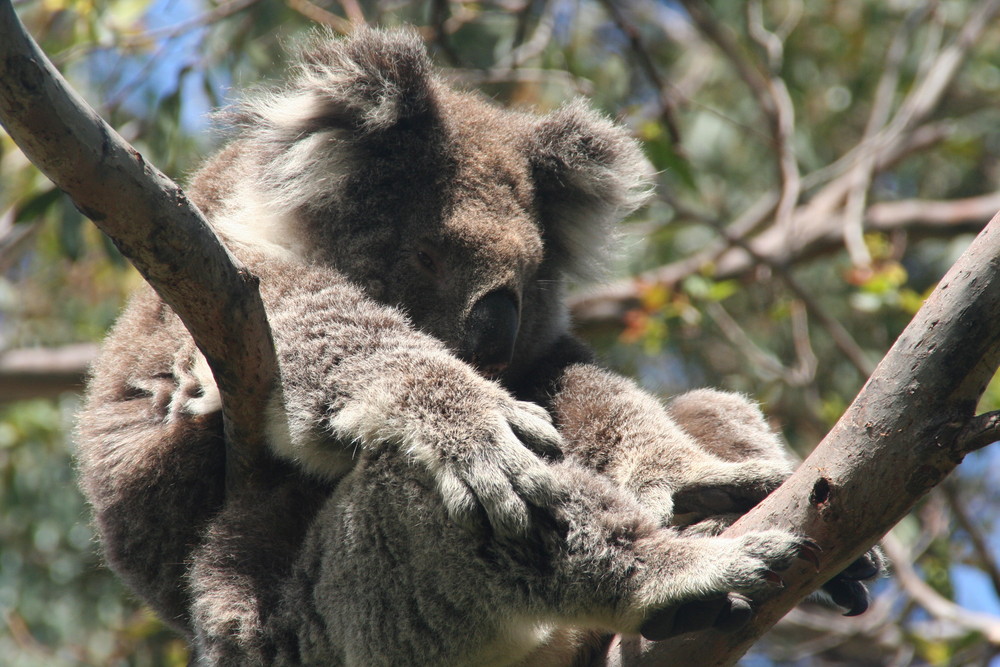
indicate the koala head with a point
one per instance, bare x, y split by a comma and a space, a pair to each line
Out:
468, 217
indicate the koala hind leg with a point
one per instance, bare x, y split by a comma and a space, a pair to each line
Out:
727, 424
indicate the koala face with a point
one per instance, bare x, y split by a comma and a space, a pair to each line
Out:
466, 216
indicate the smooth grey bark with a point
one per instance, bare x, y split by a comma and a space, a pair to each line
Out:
156, 228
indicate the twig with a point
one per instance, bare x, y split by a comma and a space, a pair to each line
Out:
353, 11
981, 431
668, 106
440, 13
932, 601
320, 15
782, 120
14, 239
764, 363
841, 337
861, 175
984, 553
535, 45
220, 12
44, 372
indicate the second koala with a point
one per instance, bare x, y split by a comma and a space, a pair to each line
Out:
413, 244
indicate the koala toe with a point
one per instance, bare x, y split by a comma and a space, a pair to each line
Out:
848, 589
727, 613
869, 566
851, 595
533, 427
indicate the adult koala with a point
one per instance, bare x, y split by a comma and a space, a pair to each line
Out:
413, 244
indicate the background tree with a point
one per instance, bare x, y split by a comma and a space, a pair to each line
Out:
822, 165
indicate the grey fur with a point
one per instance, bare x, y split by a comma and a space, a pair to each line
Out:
414, 512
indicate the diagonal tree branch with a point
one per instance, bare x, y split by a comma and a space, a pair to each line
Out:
154, 225
912, 423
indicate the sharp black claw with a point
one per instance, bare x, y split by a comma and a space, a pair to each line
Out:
659, 625
851, 595
774, 579
862, 600
810, 551
699, 614
736, 616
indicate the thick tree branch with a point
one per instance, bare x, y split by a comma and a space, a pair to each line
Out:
912, 423
43, 372
153, 224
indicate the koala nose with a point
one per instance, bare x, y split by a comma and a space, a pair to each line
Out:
490, 333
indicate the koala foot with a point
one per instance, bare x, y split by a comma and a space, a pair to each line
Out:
727, 613
747, 565
848, 590
730, 488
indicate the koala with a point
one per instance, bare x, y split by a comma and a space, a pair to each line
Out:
451, 478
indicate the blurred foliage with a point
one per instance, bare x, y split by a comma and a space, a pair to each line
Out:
154, 70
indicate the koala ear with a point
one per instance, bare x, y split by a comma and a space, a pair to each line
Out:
369, 81
589, 174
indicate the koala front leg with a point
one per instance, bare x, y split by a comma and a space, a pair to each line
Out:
355, 374
611, 425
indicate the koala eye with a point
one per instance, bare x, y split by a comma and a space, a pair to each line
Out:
427, 262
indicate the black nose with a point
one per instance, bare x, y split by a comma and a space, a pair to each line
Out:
491, 331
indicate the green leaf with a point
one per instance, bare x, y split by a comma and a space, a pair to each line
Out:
70, 232
37, 206
663, 154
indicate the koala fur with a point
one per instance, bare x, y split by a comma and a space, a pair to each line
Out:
452, 480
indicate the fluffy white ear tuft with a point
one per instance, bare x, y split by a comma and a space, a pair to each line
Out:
368, 82
589, 174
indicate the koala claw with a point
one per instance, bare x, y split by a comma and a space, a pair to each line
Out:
852, 595
533, 427
505, 479
774, 579
865, 567
848, 589
810, 551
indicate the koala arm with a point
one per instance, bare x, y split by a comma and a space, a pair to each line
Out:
613, 426
354, 373
698, 463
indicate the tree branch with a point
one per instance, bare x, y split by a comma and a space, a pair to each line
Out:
912, 423
154, 225
44, 372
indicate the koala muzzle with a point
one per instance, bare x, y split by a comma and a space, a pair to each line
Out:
491, 332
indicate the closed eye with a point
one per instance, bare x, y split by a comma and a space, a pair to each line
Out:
427, 262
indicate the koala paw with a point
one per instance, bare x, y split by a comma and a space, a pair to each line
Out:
741, 566
728, 488
502, 474
762, 555
482, 447
727, 613
847, 589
